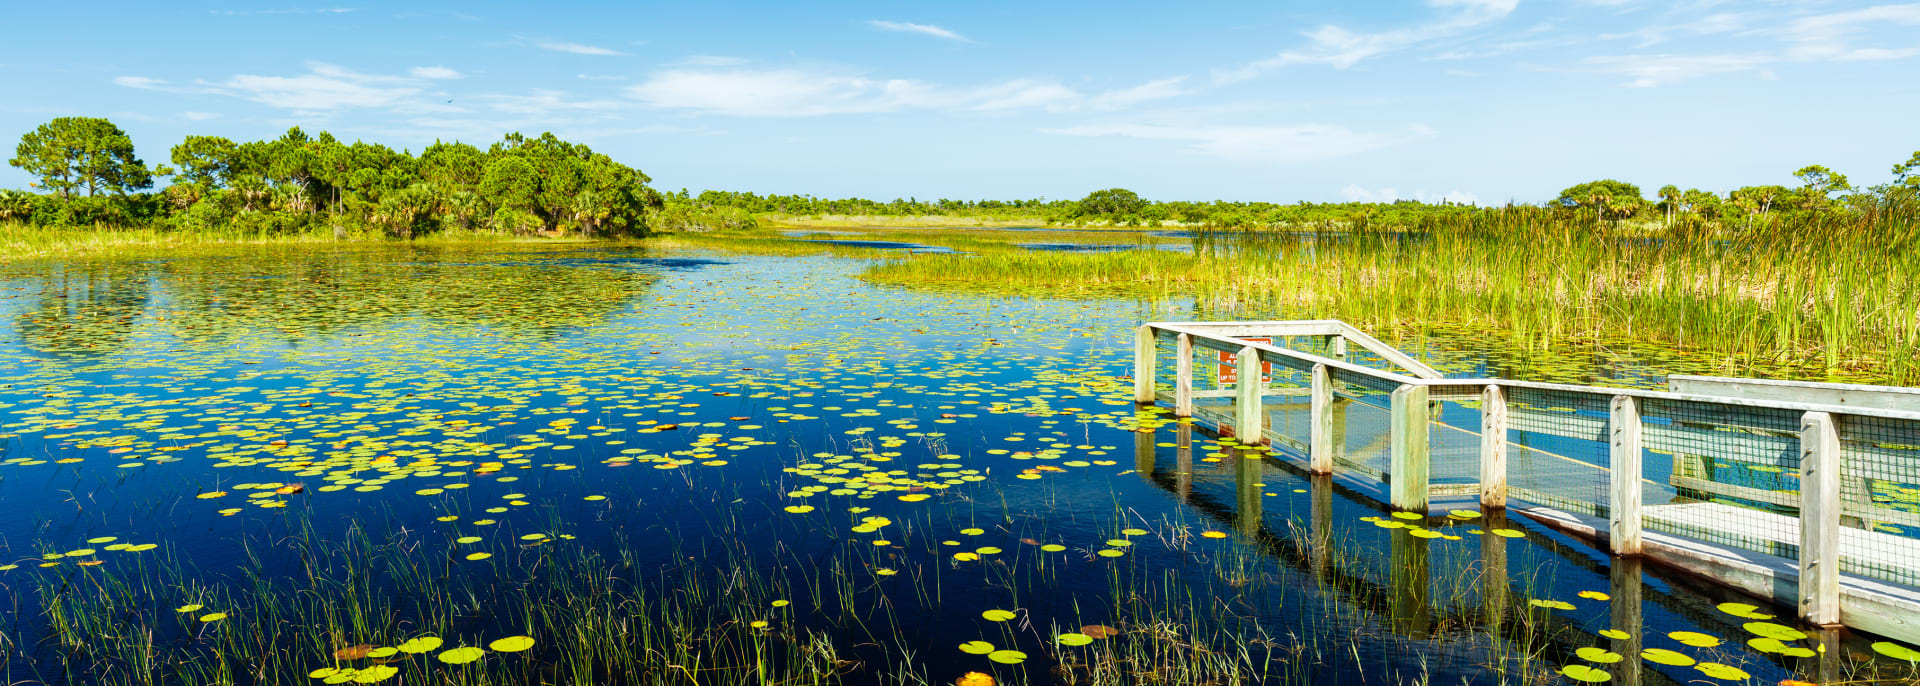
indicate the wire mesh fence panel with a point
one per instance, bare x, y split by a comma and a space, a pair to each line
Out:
1557, 449
1165, 352
1453, 446
1287, 403
1726, 474
1362, 423
1880, 498
1215, 374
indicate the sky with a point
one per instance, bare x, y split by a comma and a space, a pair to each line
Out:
1484, 101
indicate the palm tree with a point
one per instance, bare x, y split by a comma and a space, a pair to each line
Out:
589, 210
15, 205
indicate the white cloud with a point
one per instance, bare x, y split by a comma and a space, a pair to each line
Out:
1647, 71
712, 61
1275, 144
1151, 90
199, 116
141, 82
434, 73
601, 77
546, 101
1827, 36
1712, 24
327, 87
1341, 48
1357, 193
806, 92
778, 93
577, 48
923, 29
242, 13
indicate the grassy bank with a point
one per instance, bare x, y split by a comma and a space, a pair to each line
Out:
1822, 298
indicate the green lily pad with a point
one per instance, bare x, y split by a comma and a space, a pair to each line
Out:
1584, 673
1663, 656
461, 655
1896, 651
976, 647
1073, 639
998, 615
1720, 671
1007, 657
1600, 655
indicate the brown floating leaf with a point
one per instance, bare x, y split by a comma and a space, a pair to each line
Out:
354, 652
1099, 631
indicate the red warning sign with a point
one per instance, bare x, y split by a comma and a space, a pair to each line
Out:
1229, 367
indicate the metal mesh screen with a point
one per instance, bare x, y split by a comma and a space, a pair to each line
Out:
1362, 423
1288, 403
1454, 449
1727, 474
1557, 453
1880, 498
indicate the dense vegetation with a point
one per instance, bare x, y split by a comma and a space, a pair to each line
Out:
300, 183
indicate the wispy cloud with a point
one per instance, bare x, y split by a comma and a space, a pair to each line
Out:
711, 61
922, 29
433, 73
324, 88
1340, 48
808, 92
199, 116
577, 48
1128, 97
1829, 37
1646, 71
1272, 144
321, 10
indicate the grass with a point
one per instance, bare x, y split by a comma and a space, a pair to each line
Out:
1832, 298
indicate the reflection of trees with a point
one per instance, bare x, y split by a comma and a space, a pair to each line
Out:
83, 309
298, 295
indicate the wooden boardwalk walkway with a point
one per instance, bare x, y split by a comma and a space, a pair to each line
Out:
1734, 479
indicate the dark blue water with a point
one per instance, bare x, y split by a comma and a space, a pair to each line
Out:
414, 394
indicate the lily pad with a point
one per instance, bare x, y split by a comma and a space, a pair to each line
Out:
1073, 639
1585, 673
976, 647
461, 655
1007, 657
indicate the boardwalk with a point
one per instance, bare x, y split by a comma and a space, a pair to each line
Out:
1737, 480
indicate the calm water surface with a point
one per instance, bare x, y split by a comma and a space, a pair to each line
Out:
684, 413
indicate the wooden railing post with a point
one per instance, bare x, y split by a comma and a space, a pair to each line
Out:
1623, 506
1493, 448
1247, 410
1145, 355
1819, 519
1320, 422
1408, 447
1339, 348
1183, 376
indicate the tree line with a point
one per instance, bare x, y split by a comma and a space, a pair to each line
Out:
88, 174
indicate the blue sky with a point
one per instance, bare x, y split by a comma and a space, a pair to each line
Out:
1481, 100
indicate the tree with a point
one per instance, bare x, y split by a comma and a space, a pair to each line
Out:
1817, 186
1611, 199
71, 153
1111, 203
15, 206
208, 160
1670, 199
509, 182
1908, 173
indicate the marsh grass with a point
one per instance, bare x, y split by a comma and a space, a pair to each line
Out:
1823, 296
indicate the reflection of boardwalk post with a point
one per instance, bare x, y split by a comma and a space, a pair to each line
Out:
1320, 491
1183, 461
1143, 447
1410, 578
1249, 514
1833, 655
1627, 602
1495, 584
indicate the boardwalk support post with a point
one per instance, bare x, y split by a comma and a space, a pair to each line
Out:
1819, 519
1408, 447
1183, 376
1623, 505
1320, 422
1493, 448
1247, 409
1145, 354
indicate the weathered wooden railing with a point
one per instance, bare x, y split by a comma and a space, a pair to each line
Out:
1793, 500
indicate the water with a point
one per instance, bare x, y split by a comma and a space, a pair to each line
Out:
515, 397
